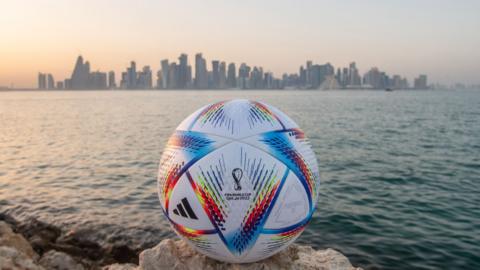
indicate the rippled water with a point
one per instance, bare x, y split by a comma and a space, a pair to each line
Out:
400, 171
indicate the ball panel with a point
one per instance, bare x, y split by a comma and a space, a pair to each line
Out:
237, 185
292, 206
234, 119
286, 122
185, 209
208, 244
182, 150
269, 244
293, 149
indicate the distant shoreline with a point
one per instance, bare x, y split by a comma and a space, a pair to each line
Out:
180, 90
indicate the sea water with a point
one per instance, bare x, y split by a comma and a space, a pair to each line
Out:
400, 171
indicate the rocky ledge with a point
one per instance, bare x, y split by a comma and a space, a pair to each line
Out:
48, 250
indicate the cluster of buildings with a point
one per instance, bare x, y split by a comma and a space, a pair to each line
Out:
181, 75
82, 78
46, 81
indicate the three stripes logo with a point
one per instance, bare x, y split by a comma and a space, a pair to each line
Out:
185, 210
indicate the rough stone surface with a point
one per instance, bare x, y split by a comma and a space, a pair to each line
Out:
40, 235
57, 250
10, 258
117, 266
177, 255
57, 260
17, 241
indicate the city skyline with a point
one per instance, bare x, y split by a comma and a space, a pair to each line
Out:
201, 75
404, 37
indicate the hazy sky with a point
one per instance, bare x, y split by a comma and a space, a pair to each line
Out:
439, 38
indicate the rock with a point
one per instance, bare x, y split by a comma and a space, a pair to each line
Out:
59, 261
122, 254
308, 258
17, 241
77, 244
41, 235
75, 250
117, 266
9, 220
177, 255
10, 258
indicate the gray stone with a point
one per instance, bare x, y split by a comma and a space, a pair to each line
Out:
12, 259
10, 239
59, 261
177, 255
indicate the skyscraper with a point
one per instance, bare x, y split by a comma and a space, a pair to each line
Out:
189, 77
201, 74
398, 82
315, 76
42, 81
79, 78
165, 67
111, 80
256, 79
345, 75
268, 80
183, 78
87, 67
223, 76
131, 82
231, 76
354, 76
309, 74
144, 79
243, 76
376, 79
302, 76
421, 82
82, 78
172, 76
97, 80
326, 70
338, 76
215, 74
159, 79
50, 81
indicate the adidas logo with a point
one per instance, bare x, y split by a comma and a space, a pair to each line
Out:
185, 210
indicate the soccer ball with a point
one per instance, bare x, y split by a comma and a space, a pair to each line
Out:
238, 181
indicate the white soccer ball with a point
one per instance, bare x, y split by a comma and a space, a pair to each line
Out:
238, 181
